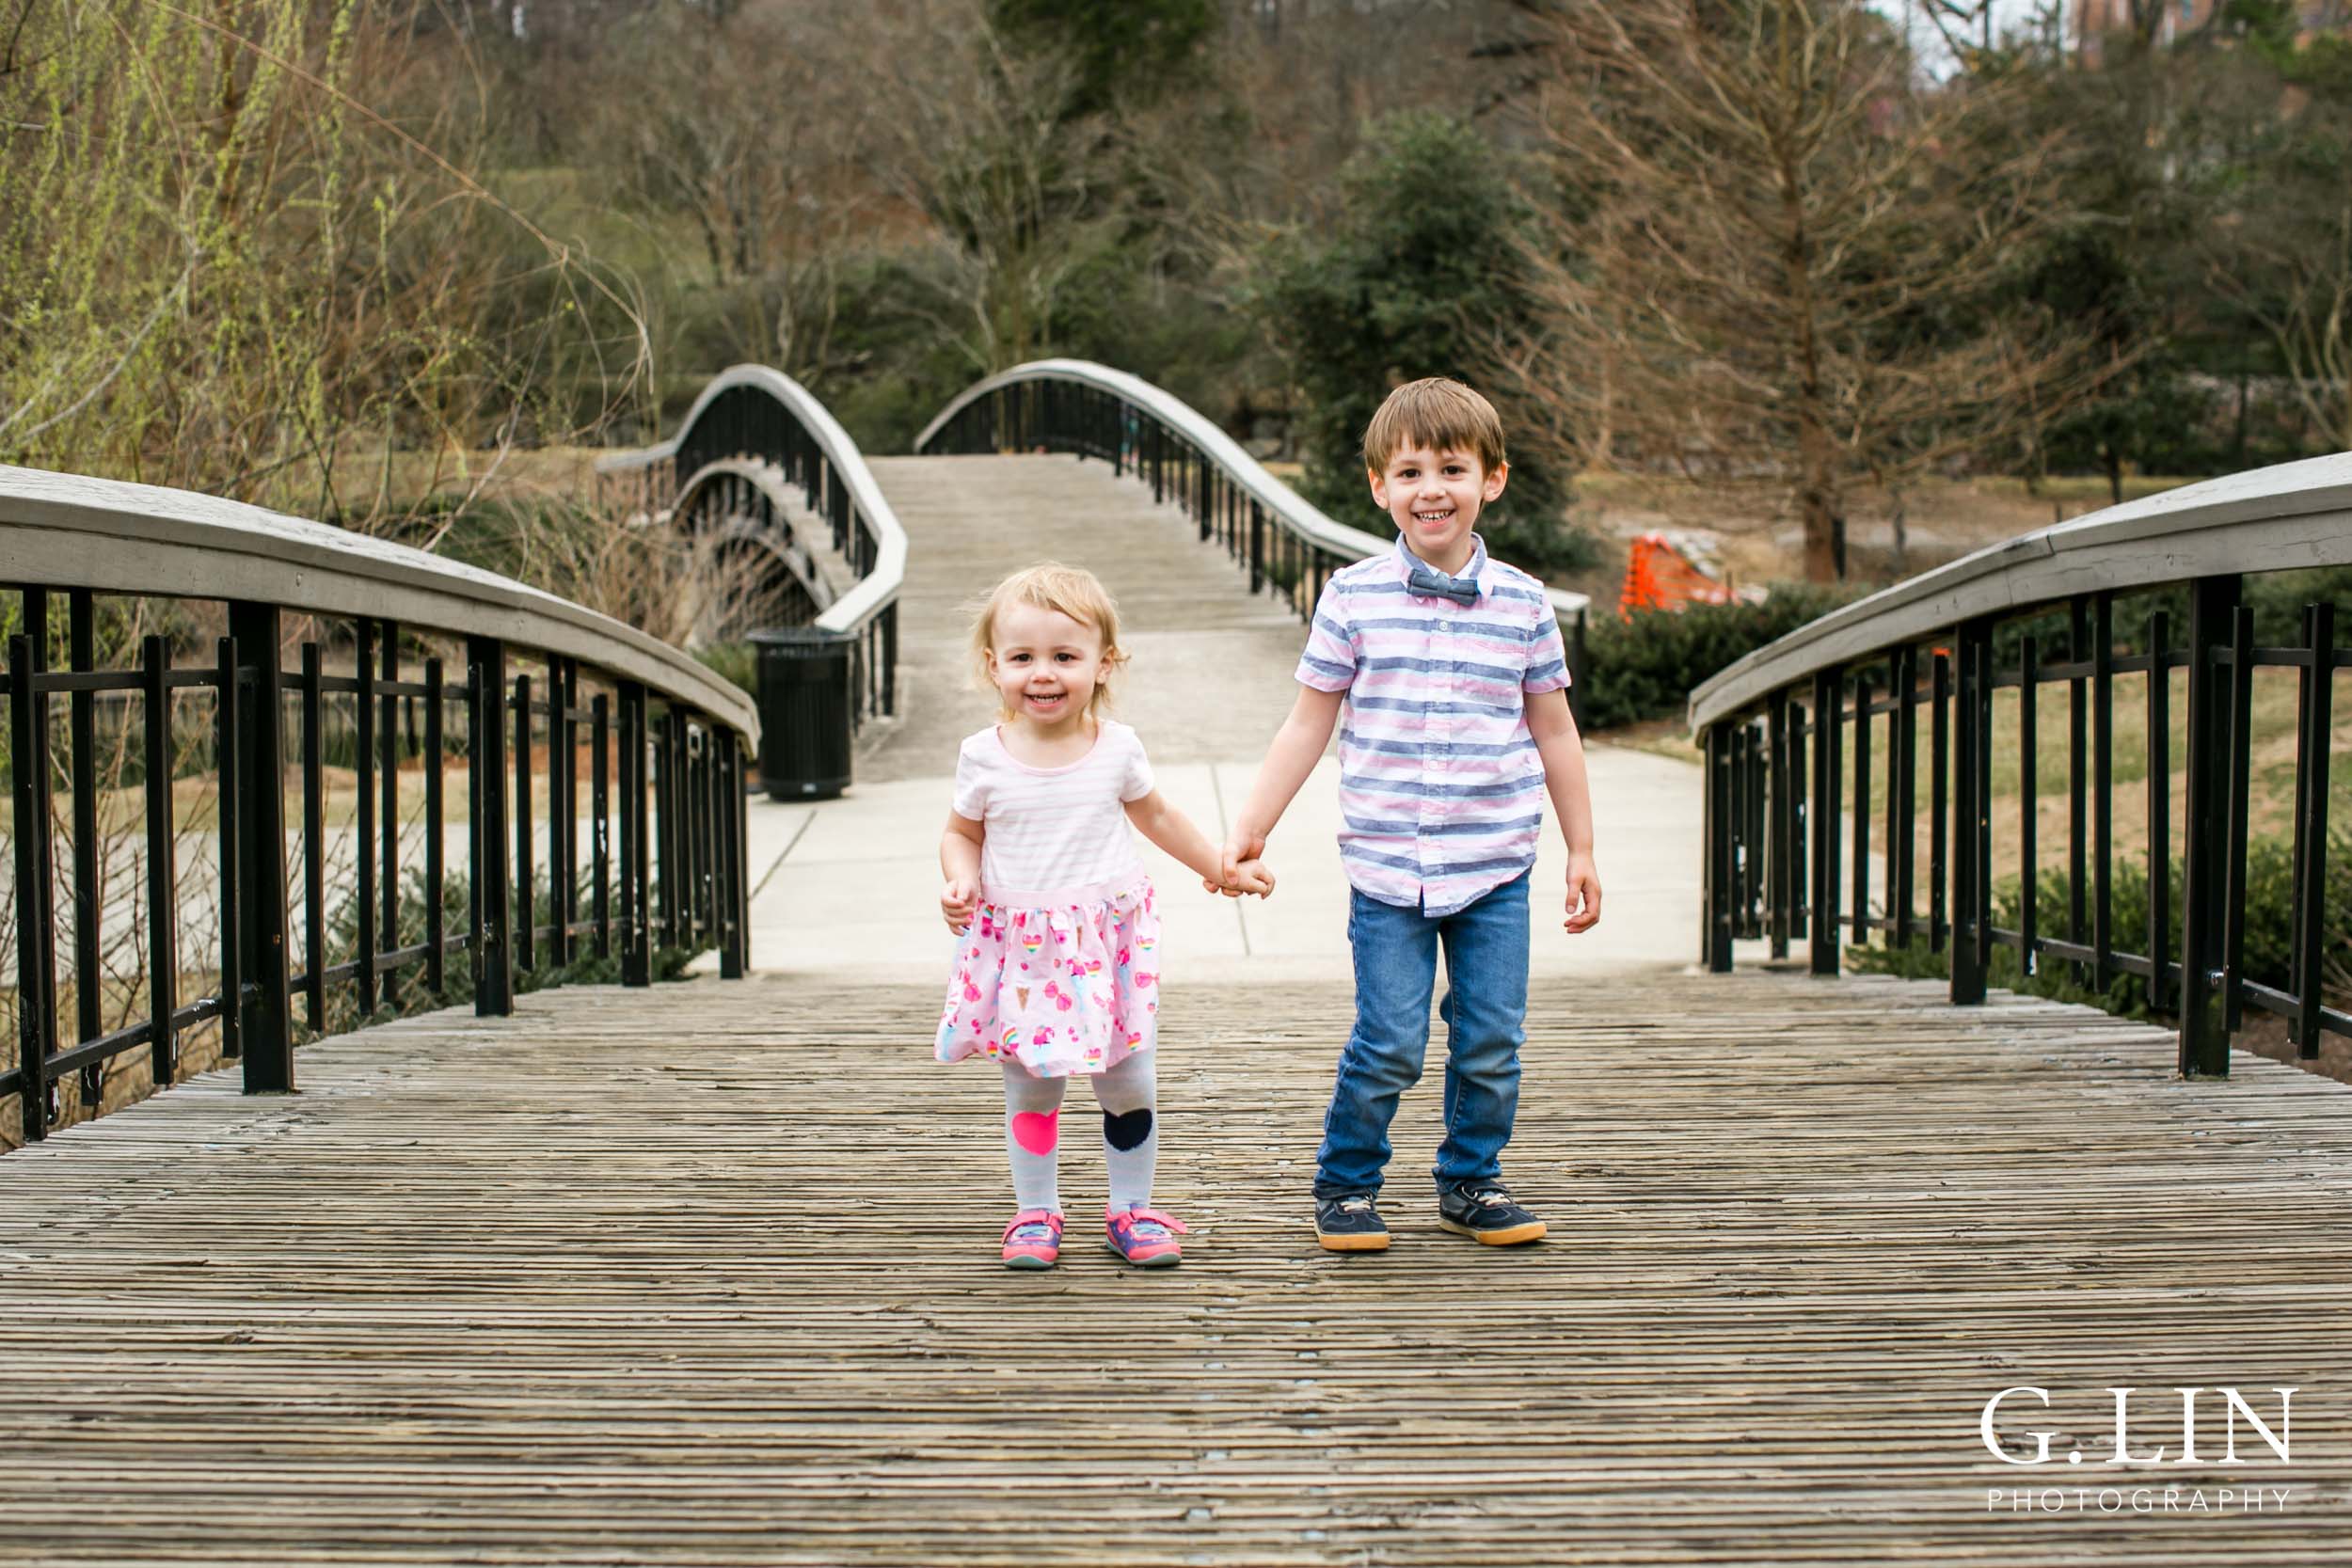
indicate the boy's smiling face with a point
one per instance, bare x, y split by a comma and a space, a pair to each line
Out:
1433, 498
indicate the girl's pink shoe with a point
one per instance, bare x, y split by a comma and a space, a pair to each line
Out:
1033, 1239
1144, 1237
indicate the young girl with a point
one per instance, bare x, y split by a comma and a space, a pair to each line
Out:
1057, 969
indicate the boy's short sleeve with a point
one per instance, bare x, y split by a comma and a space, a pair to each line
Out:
971, 798
1328, 661
1547, 655
1135, 780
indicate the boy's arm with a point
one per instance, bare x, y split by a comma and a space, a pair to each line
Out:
1173, 831
960, 862
1297, 747
1556, 741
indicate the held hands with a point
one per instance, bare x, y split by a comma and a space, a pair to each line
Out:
957, 902
1249, 875
1584, 902
1242, 867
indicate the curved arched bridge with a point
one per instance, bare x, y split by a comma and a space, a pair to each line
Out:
703, 1272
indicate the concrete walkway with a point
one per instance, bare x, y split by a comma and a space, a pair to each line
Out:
852, 886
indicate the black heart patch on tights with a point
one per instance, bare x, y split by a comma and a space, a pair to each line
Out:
1126, 1130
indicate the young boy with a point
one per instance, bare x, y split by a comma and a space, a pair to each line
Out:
1449, 668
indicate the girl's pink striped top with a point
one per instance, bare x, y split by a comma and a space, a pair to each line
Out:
1442, 789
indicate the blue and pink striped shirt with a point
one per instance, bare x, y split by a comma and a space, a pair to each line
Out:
1442, 789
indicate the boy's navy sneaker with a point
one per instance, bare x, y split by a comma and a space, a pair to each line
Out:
1483, 1209
1350, 1223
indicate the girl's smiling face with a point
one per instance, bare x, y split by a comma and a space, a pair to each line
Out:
1045, 665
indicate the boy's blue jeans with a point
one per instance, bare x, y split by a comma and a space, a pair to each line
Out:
1484, 1012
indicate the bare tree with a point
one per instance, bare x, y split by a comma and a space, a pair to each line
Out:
1769, 255
746, 125
973, 135
2282, 251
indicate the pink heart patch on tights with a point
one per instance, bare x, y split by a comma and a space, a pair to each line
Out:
1037, 1131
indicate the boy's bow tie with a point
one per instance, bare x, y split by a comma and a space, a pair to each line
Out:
1436, 585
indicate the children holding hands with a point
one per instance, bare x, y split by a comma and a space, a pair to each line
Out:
1444, 670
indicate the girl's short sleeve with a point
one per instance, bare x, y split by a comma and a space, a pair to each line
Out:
970, 799
1136, 779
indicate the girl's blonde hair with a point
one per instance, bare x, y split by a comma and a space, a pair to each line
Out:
1050, 585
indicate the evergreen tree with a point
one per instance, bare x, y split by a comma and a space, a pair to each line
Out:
1416, 275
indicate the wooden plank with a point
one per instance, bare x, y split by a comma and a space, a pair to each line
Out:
705, 1274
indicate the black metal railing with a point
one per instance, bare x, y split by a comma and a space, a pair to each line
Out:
1788, 856
754, 435
1288, 545
371, 696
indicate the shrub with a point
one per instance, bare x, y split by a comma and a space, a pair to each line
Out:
733, 661
405, 993
2269, 932
1645, 668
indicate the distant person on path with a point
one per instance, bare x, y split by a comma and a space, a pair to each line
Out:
1450, 670
1057, 969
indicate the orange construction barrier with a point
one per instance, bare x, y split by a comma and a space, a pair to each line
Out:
1668, 571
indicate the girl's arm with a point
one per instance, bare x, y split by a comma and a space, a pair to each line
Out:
960, 862
1173, 831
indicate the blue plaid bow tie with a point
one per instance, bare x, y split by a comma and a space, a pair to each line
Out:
1436, 585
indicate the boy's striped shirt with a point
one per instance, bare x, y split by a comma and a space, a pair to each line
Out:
1441, 788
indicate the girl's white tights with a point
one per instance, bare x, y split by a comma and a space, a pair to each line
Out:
1129, 1096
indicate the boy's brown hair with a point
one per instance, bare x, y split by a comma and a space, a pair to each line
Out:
1440, 413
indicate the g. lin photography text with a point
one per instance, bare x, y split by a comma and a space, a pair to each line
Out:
2275, 1434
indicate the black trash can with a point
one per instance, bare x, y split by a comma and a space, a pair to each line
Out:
804, 712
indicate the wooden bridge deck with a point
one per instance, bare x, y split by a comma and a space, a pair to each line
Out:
705, 1274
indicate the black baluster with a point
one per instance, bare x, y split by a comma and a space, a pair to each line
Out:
1972, 724
2314, 730
1828, 699
493, 933
163, 884
636, 965
1939, 764
363, 843
599, 830
2241, 751
82, 745
2078, 781
263, 998
2205, 1040
2159, 787
526, 866
1902, 794
35, 895
436, 936
2029, 810
2103, 787
1716, 935
313, 839
1783, 824
1861, 915
563, 802
225, 803
388, 825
